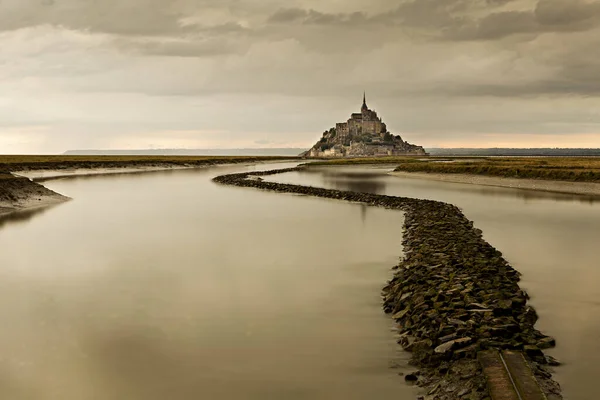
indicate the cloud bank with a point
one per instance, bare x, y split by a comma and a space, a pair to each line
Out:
235, 73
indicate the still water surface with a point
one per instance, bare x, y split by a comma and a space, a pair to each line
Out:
167, 286
552, 239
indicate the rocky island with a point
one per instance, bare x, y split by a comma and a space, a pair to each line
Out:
363, 135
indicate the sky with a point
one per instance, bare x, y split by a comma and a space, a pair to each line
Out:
141, 74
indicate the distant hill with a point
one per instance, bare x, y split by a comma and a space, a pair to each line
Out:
191, 152
513, 152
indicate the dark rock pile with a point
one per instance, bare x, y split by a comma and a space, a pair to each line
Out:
452, 295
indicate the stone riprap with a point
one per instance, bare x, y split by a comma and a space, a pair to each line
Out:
452, 295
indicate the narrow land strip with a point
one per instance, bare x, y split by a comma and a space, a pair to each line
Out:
453, 295
570, 169
19, 193
19, 163
580, 188
569, 175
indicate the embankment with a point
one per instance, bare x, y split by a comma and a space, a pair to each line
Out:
20, 163
452, 295
18, 193
568, 169
590, 189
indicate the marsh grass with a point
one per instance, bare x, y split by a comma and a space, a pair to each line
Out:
20, 162
576, 169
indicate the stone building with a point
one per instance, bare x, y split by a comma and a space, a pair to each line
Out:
363, 135
365, 122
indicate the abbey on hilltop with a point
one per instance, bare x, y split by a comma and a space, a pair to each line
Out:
363, 135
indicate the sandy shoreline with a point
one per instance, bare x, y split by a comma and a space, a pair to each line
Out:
41, 175
24, 192
580, 188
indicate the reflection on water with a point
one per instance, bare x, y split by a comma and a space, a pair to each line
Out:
167, 286
375, 180
363, 213
16, 217
357, 181
551, 238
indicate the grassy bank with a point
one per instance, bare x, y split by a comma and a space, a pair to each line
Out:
574, 169
548, 168
30, 162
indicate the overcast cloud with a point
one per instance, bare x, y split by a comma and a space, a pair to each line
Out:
254, 73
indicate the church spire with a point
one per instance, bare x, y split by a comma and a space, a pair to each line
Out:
364, 105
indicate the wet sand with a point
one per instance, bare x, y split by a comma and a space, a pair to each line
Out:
20, 192
581, 188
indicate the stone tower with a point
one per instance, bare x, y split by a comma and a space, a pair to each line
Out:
364, 105
363, 135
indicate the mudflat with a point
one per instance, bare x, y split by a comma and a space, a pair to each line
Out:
575, 175
571, 169
18, 193
15, 163
582, 188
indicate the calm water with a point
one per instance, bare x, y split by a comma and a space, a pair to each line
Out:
552, 239
167, 286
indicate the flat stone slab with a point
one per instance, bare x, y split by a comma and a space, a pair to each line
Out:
509, 376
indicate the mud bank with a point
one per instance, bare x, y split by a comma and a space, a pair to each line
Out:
21, 164
452, 295
19, 174
580, 188
19, 193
